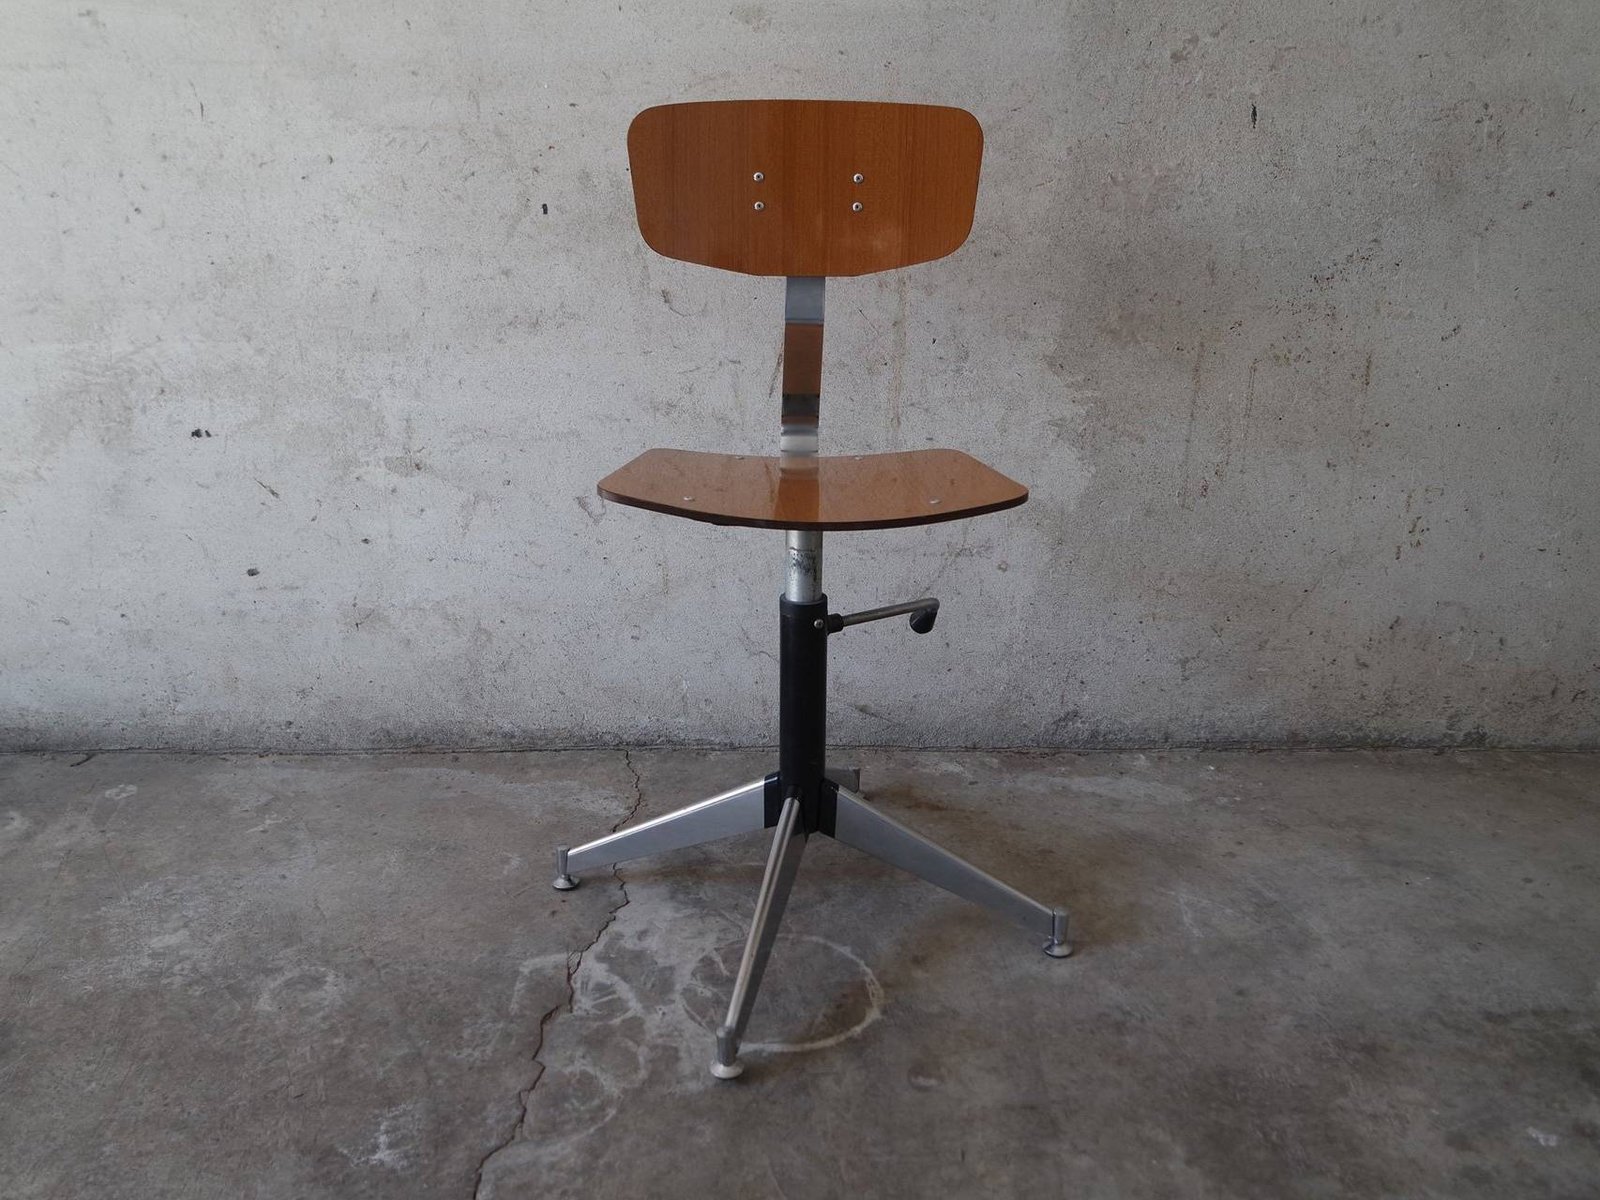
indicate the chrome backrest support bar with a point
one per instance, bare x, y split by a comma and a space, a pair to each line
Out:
797, 441
802, 364
802, 299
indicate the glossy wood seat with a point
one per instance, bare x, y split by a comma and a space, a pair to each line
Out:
857, 491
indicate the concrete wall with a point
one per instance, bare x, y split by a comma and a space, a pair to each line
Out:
319, 321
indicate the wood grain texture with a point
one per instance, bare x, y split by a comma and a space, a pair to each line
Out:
862, 491
695, 193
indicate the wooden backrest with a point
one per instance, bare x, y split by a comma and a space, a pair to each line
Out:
768, 187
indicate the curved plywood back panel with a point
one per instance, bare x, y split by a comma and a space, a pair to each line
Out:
769, 187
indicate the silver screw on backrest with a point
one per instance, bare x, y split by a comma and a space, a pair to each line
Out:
858, 177
856, 207
759, 206
758, 177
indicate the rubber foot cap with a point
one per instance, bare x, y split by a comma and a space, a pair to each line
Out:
731, 1071
564, 883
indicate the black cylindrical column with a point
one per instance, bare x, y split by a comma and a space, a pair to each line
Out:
803, 703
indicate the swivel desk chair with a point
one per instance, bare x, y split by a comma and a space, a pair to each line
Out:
806, 189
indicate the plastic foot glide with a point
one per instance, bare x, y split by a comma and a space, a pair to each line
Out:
727, 1064
563, 882
1058, 946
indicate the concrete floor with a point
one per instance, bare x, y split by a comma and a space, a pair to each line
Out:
1300, 974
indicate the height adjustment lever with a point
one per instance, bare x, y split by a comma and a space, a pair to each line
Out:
923, 613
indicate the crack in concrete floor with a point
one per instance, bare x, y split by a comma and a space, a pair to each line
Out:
574, 965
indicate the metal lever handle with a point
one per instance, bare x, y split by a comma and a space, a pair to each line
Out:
923, 613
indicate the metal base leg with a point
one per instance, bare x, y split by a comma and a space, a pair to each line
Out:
741, 810
860, 825
788, 841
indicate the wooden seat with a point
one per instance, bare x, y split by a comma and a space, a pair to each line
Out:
859, 491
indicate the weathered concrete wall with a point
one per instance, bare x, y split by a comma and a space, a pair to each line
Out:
1286, 311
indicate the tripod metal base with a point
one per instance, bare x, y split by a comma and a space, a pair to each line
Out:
804, 796
855, 823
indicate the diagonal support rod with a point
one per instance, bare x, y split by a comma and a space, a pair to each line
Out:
782, 864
